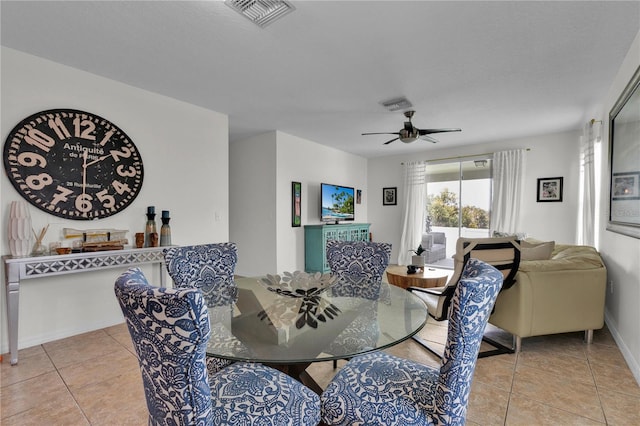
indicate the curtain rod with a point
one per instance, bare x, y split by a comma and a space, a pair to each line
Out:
462, 156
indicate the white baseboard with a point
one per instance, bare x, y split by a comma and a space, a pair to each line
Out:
626, 353
60, 334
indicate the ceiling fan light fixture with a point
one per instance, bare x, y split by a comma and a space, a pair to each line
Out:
408, 136
261, 12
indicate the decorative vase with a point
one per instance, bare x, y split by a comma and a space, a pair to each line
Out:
150, 227
19, 231
165, 229
417, 260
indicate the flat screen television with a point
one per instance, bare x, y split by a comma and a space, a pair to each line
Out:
337, 203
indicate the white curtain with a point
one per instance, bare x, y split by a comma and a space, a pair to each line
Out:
413, 213
508, 177
587, 196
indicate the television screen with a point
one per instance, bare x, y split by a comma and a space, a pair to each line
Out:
337, 203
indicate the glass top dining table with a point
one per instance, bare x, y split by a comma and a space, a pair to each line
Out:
291, 321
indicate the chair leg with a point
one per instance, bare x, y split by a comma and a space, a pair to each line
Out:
588, 336
335, 364
500, 349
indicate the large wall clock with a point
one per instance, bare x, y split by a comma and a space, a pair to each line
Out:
73, 164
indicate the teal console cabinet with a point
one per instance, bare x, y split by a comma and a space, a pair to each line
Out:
316, 237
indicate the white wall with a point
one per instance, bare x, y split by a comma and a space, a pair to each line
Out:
261, 221
252, 203
551, 155
311, 164
621, 253
184, 150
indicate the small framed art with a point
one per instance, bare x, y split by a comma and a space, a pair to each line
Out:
625, 186
296, 204
549, 189
390, 196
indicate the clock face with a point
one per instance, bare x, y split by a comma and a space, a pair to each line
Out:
73, 164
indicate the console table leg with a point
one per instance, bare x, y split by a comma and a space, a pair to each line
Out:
13, 295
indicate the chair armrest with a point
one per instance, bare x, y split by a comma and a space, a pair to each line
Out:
436, 291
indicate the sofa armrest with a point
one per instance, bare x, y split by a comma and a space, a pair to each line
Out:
552, 301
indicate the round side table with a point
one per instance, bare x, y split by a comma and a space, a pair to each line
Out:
428, 277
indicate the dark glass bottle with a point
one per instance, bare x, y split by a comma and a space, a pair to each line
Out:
150, 227
165, 229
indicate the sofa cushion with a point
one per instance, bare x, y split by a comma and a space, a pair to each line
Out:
537, 250
565, 257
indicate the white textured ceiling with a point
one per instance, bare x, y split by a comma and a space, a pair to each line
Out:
498, 70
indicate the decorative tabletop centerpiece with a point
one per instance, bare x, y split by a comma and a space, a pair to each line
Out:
311, 309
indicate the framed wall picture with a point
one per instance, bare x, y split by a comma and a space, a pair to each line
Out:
296, 204
549, 189
624, 152
390, 196
359, 196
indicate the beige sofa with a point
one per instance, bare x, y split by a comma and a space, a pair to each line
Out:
563, 294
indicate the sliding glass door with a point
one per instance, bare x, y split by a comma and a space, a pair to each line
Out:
458, 201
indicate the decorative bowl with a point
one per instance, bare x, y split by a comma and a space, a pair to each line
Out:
298, 283
63, 250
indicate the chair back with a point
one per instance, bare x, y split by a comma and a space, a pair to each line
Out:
502, 253
209, 267
359, 266
170, 331
471, 305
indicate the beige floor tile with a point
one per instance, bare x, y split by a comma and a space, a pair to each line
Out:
24, 353
487, 404
605, 354
527, 412
117, 363
570, 344
617, 378
604, 337
116, 401
409, 349
120, 334
76, 350
559, 364
323, 372
59, 410
496, 371
28, 367
31, 393
620, 408
558, 392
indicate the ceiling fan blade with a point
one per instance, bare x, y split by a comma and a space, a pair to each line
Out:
385, 133
423, 132
388, 142
429, 139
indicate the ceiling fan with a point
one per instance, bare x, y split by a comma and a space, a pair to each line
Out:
411, 134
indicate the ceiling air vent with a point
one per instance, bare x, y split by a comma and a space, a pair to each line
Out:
396, 104
261, 12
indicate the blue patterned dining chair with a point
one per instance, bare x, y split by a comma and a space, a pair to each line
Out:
359, 266
170, 331
210, 268
382, 389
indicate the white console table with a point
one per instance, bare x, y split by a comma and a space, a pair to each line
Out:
17, 269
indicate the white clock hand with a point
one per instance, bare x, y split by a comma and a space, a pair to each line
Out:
84, 172
98, 159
